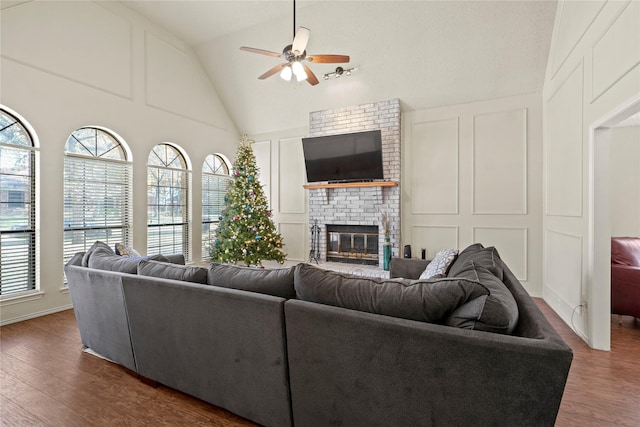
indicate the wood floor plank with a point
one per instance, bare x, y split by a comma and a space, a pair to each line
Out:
46, 379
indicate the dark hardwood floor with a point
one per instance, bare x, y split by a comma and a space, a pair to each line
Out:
46, 380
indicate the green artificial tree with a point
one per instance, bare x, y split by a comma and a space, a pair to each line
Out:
246, 231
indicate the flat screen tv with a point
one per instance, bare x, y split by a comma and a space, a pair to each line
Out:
343, 158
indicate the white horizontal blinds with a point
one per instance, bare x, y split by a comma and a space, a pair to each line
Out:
17, 207
215, 182
97, 191
167, 202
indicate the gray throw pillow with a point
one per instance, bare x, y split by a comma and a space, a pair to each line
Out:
97, 245
430, 300
439, 264
463, 258
277, 282
168, 270
496, 312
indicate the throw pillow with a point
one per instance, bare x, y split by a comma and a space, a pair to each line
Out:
96, 246
461, 261
277, 282
422, 300
105, 259
439, 264
126, 251
168, 270
496, 312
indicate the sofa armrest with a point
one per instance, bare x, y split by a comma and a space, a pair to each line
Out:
407, 268
625, 290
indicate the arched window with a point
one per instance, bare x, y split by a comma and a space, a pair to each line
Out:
97, 191
167, 202
17, 206
215, 182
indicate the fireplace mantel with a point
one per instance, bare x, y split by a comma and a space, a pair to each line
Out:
352, 184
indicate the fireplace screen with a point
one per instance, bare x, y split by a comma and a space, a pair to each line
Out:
353, 244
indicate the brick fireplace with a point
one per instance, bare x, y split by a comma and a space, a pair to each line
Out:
340, 208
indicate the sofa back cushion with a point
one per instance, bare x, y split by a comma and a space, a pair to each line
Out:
100, 256
277, 282
168, 270
496, 312
463, 259
431, 300
625, 251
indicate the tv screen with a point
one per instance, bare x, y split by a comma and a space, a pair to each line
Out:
346, 157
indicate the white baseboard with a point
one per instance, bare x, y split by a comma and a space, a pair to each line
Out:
34, 315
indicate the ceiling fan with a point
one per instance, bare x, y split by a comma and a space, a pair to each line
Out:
295, 54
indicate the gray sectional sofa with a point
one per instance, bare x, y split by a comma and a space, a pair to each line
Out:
307, 347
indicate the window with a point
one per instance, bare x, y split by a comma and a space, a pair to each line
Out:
167, 202
97, 191
17, 206
215, 182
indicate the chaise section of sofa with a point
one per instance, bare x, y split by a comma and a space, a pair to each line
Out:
356, 368
224, 346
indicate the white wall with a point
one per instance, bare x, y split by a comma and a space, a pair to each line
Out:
71, 64
472, 173
624, 182
593, 68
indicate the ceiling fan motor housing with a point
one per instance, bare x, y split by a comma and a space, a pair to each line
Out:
290, 55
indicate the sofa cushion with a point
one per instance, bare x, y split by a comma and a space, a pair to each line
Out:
430, 300
167, 270
277, 282
97, 245
463, 258
106, 259
439, 264
496, 312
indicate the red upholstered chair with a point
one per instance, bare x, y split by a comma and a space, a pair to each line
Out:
625, 276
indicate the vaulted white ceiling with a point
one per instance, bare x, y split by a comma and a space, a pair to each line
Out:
425, 53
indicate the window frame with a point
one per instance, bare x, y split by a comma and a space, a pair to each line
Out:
207, 177
31, 285
181, 227
114, 228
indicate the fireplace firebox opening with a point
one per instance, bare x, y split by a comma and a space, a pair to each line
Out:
355, 244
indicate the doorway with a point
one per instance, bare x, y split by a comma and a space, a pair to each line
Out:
599, 307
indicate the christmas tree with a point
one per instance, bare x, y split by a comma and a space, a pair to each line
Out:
246, 231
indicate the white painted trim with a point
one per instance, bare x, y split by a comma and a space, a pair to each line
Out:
599, 237
36, 314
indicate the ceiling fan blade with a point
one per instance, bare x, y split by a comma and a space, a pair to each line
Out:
261, 51
328, 59
311, 78
272, 71
300, 40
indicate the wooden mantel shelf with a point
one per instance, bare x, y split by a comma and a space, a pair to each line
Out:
353, 184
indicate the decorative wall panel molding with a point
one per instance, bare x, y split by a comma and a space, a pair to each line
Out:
623, 35
500, 163
563, 148
175, 83
292, 198
434, 167
293, 244
79, 41
564, 257
433, 238
512, 245
262, 151
575, 19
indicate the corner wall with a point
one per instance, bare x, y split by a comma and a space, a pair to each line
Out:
66, 65
593, 69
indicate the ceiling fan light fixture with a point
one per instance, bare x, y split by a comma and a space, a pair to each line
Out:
286, 73
298, 70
